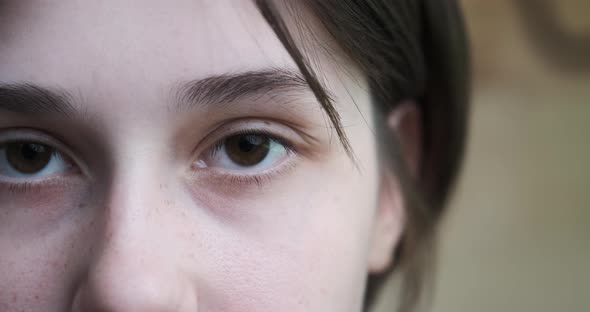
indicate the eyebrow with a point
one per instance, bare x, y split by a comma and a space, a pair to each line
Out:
227, 88
31, 99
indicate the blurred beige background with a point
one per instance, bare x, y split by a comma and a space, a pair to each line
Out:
517, 236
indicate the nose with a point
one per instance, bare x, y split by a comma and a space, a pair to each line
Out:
134, 265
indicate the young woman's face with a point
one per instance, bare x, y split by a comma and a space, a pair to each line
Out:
166, 156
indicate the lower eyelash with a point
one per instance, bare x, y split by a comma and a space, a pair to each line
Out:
258, 180
25, 187
28, 187
252, 179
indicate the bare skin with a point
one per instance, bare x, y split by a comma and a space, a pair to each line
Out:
144, 202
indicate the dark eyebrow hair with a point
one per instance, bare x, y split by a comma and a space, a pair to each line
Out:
227, 88
27, 98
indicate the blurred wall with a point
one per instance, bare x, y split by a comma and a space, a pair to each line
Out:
517, 235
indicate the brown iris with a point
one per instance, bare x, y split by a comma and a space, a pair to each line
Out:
27, 157
247, 150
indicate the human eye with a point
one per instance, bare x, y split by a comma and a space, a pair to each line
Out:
248, 155
247, 151
29, 158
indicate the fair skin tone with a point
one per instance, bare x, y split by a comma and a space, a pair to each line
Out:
137, 210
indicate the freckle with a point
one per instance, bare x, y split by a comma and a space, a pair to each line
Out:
13, 297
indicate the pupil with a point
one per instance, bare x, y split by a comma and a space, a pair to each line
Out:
247, 150
31, 151
250, 142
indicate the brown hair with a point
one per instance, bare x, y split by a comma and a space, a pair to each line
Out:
407, 49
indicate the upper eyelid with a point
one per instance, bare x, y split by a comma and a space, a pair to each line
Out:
240, 126
277, 138
30, 135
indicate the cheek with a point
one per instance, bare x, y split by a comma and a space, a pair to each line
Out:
34, 278
302, 249
41, 247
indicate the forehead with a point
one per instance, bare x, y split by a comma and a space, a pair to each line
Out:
83, 44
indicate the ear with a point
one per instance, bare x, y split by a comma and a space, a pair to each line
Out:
389, 223
406, 123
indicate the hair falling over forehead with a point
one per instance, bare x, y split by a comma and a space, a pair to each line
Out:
407, 50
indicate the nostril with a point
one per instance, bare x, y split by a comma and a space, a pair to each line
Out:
147, 292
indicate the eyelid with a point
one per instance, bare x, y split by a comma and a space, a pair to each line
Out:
8, 135
223, 177
289, 146
278, 131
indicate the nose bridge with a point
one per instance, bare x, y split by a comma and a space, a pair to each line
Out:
134, 262
133, 216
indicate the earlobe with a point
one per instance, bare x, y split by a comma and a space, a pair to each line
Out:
388, 226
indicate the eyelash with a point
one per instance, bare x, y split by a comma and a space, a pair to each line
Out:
25, 187
288, 145
28, 187
259, 179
